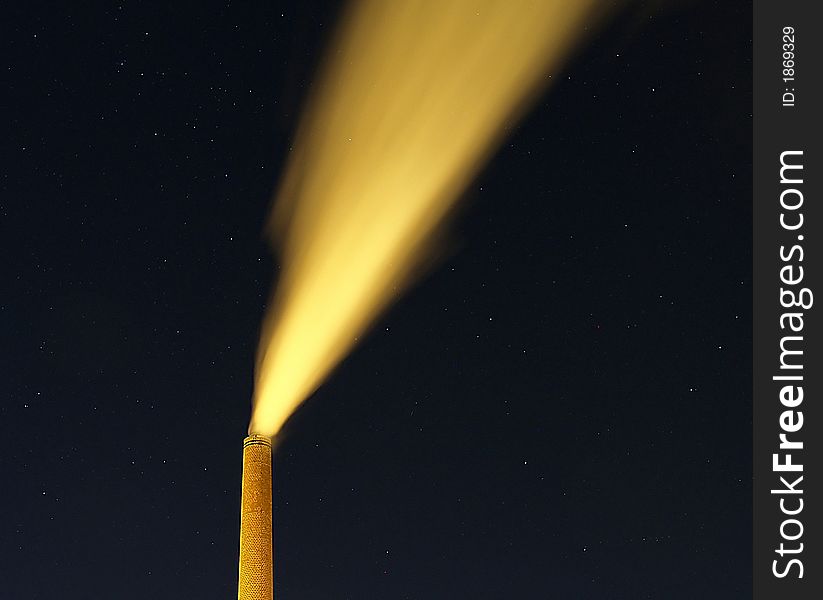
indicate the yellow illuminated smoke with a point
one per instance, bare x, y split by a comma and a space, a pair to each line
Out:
414, 96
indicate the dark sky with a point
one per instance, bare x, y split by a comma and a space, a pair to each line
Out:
560, 410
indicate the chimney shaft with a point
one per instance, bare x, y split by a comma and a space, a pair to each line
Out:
256, 580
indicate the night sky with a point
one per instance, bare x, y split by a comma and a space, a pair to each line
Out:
560, 410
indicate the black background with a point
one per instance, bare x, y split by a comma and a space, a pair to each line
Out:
561, 409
